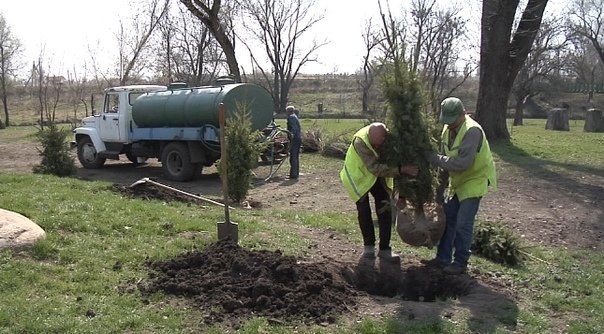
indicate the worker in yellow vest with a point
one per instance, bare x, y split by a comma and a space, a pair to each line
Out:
466, 155
361, 175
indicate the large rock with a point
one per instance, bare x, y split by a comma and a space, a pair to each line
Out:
17, 230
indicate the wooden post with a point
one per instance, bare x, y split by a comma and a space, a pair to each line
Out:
226, 229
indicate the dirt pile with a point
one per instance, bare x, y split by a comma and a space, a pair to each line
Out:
233, 284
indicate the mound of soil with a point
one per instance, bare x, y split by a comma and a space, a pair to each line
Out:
233, 284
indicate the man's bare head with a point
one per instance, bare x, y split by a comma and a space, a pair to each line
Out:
377, 134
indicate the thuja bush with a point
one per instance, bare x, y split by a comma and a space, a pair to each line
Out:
411, 129
56, 158
497, 243
243, 150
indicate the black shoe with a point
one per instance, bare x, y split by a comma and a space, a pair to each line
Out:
454, 269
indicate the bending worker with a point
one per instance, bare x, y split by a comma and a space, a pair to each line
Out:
362, 175
467, 157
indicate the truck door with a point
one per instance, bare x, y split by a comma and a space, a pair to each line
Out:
110, 119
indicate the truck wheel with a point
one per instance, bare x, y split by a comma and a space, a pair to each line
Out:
134, 159
87, 154
176, 163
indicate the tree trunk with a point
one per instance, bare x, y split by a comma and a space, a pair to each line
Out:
229, 51
594, 122
519, 114
364, 100
557, 119
500, 59
208, 15
5, 105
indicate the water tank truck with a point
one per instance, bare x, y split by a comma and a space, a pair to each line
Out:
175, 124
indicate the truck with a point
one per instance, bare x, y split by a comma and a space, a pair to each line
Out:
175, 124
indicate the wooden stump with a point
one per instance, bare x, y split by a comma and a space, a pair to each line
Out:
557, 119
594, 122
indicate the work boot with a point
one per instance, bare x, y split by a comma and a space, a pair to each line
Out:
454, 269
368, 252
387, 255
435, 262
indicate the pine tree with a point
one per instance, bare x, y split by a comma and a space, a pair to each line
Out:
409, 135
56, 158
243, 151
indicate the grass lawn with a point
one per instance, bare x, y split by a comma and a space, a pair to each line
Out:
82, 278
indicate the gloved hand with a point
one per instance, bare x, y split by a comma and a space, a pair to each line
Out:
429, 155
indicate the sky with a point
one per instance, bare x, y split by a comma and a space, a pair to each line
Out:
64, 31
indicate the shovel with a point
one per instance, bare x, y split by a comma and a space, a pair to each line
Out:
226, 229
178, 191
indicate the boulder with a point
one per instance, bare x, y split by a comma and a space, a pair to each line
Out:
18, 231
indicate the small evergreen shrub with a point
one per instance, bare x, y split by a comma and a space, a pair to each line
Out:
497, 243
56, 158
243, 150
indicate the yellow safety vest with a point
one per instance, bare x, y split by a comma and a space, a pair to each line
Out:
355, 176
474, 181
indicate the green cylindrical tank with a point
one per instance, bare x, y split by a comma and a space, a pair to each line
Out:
196, 107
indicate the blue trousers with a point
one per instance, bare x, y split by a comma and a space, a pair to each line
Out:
459, 230
294, 158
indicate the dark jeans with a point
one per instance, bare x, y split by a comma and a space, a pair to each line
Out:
459, 230
382, 207
294, 157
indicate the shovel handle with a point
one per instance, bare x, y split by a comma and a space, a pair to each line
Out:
223, 161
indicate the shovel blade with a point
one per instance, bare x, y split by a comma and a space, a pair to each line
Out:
228, 230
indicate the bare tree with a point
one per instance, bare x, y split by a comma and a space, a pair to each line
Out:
431, 40
587, 19
501, 57
279, 25
220, 26
394, 43
38, 83
583, 63
10, 48
541, 63
189, 53
372, 39
440, 35
77, 81
132, 42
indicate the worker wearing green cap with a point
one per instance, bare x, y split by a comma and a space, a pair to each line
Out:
466, 155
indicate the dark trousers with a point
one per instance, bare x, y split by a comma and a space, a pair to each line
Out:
382, 207
294, 157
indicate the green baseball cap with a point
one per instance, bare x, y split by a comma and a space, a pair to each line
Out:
450, 109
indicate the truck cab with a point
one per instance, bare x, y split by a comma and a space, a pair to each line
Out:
105, 134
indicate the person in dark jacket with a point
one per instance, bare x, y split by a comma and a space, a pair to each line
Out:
293, 126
